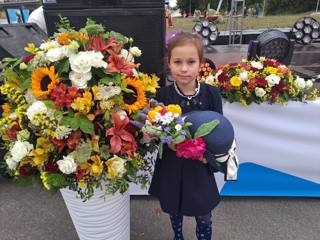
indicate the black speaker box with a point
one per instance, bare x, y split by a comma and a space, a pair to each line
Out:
14, 38
82, 4
145, 25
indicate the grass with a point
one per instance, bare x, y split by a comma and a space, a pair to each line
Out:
279, 21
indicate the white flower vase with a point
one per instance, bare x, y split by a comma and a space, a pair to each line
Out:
100, 218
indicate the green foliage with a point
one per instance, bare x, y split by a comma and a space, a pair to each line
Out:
274, 7
206, 128
76, 122
63, 25
83, 152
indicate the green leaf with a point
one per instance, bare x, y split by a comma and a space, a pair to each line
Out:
85, 125
74, 123
63, 66
83, 152
206, 128
56, 180
25, 84
104, 152
111, 78
49, 104
178, 139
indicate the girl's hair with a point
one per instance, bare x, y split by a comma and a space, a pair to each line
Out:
184, 38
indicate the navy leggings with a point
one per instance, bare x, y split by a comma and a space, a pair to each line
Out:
203, 230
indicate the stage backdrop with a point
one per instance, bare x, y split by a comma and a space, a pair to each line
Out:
278, 149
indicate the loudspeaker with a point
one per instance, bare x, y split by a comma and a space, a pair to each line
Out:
14, 38
85, 4
145, 25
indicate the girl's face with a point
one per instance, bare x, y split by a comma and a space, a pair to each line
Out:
184, 64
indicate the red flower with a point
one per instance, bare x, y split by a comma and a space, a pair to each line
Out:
191, 149
13, 131
100, 45
223, 77
80, 173
121, 138
74, 139
51, 166
27, 59
118, 64
58, 144
26, 170
64, 96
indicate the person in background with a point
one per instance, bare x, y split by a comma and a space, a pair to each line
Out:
183, 186
37, 17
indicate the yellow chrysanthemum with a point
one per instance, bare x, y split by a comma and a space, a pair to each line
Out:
174, 108
39, 157
83, 104
235, 81
150, 83
44, 80
136, 100
96, 167
271, 70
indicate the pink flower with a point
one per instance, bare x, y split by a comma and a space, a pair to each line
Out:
191, 149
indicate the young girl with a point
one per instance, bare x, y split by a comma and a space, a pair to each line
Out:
184, 186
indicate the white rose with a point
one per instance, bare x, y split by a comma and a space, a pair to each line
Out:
300, 83
178, 127
97, 60
209, 80
244, 76
126, 55
36, 108
260, 92
309, 84
20, 150
12, 164
67, 165
55, 54
80, 80
116, 165
81, 62
273, 80
257, 65
135, 51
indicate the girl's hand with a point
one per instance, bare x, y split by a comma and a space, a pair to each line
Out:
204, 161
172, 146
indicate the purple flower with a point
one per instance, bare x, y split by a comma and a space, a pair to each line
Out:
166, 129
142, 116
183, 133
180, 120
167, 140
137, 124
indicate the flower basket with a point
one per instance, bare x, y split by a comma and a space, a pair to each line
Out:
262, 80
67, 116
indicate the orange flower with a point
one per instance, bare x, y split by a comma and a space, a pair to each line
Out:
136, 100
118, 64
44, 80
65, 38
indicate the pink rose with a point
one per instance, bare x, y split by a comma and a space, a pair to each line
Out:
191, 149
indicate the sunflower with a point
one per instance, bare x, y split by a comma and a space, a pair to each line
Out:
44, 80
136, 100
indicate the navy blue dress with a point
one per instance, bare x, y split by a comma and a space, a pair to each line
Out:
185, 186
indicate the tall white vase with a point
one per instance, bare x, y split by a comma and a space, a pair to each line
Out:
100, 218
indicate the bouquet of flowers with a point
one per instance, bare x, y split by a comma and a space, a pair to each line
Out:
263, 80
66, 117
166, 124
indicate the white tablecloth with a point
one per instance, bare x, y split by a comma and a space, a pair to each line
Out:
278, 147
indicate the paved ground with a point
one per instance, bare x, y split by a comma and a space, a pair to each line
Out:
33, 214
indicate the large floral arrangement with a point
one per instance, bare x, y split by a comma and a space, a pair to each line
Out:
66, 121
262, 80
